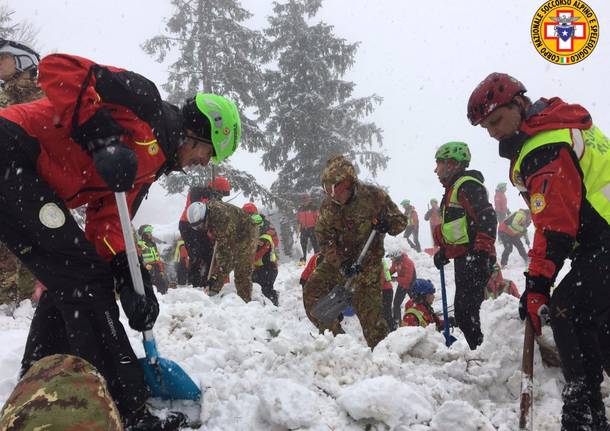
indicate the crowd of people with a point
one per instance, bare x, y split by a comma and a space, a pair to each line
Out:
76, 132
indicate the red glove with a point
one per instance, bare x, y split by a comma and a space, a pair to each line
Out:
537, 309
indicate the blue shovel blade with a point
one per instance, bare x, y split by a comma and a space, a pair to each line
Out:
168, 381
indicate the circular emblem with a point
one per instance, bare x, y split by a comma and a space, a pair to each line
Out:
537, 203
226, 131
153, 149
564, 31
52, 216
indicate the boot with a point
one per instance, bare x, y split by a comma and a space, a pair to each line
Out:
598, 412
576, 412
144, 420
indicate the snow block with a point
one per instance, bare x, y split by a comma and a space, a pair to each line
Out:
288, 404
371, 399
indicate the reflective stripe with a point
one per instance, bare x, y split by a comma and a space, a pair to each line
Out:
578, 143
109, 246
386, 271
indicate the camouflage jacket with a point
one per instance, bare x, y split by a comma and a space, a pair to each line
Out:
21, 89
342, 230
232, 229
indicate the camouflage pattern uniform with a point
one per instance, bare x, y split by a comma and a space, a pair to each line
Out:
16, 281
342, 231
60, 392
236, 238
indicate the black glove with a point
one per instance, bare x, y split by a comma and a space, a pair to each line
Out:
99, 136
451, 321
439, 259
116, 164
349, 270
142, 311
381, 225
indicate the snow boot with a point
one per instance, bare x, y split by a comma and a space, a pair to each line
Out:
144, 420
576, 413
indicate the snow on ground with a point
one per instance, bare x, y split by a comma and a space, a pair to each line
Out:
267, 368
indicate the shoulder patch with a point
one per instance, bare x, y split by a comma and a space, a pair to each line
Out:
537, 203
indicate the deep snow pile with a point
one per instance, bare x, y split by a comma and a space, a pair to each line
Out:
267, 368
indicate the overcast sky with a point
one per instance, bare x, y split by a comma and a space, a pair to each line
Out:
423, 58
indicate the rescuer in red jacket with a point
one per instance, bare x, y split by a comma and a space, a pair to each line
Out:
560, 163
100, 130
307, 215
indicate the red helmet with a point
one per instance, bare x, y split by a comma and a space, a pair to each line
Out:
250, 208
497, 90
220, 184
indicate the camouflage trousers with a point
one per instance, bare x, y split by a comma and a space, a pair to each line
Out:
242, 265
367, 300
16, 281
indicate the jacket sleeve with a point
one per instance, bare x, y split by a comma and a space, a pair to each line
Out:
103, 226
327, 236
555, 191
473, 197
395, 218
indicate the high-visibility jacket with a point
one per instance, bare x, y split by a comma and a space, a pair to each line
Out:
150, 254
555, 196
386, 276
515, 224
455, 232
269, 255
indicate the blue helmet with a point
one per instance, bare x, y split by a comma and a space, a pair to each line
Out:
423, 287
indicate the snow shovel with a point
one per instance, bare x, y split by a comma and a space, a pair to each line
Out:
449, 339
526, 417
164, 377
328, 308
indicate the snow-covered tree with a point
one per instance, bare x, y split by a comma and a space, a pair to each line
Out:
22, 31
216, 53
314, 115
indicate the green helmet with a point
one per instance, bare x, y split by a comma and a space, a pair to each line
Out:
214, 118
405, 202
501, 187
257, 219
147, 229
454, 150
433, 201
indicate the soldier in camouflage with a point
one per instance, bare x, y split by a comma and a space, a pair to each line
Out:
236, 238
18, 70
349, 212
61, 392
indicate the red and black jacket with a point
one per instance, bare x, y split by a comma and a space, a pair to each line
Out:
87, 101
554, 172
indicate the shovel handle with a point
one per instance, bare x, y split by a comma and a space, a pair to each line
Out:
134, 265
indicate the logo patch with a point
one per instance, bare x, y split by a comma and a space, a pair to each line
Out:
564, 31
153, 149
52, 216
537, 203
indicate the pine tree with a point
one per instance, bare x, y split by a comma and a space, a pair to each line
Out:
22, 31
217, 54
315, 116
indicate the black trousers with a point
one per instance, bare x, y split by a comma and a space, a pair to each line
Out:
308, 234
265, 276
508, 242
580, 312
181, 273
78, 315
471, 276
